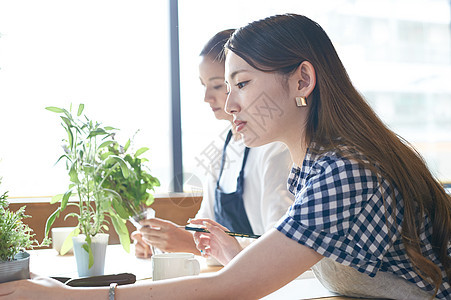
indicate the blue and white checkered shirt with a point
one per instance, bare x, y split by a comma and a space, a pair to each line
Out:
340, 213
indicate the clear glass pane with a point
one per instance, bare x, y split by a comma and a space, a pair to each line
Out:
397, 53
110, 55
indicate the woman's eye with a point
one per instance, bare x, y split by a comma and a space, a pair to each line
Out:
219, 87
242, 84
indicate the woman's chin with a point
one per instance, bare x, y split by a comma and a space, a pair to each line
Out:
252, 141
222, 115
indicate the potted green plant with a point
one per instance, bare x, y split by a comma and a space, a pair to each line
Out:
85, 141
15, 238
135, 191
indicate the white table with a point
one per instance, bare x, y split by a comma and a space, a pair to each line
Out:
48, 263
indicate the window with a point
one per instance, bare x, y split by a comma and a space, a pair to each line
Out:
396, 51
113, 56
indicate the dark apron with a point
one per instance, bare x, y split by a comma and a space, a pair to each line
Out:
229, 208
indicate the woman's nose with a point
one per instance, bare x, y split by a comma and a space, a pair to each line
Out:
208, 97
231, 106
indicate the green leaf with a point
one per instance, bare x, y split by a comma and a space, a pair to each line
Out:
127, 145
81, 153
68, 244
51, 220
62, 156
122, 231
150, 200
80, 109
103, 204
66, 121
141, 151
122, 164
70, 137
110, 128
105, 155
65, 199
73, 175
106, 143
55, 109
130, 160
56, 198
120, 210
96, 132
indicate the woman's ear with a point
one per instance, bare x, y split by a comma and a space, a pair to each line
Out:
306, 78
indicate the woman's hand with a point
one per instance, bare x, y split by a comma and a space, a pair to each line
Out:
142, 249
217, 243
164, 235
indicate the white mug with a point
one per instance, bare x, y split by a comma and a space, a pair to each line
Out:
172, 265
59, 235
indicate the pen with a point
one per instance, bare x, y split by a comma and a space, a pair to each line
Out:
247, 235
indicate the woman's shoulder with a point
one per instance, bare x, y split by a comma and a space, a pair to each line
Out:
340, 159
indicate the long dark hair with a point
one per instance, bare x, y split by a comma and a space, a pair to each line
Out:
337, 112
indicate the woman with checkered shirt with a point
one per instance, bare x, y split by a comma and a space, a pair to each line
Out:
368, 217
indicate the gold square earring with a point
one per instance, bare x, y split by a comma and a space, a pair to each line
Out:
300, 101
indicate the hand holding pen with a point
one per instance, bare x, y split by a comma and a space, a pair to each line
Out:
216, 242
163, 235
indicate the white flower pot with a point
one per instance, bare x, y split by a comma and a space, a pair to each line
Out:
17, 269
98, 246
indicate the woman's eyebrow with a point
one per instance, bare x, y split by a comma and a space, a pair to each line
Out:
236, 72
214, 78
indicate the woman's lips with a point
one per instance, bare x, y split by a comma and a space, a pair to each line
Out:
239, 125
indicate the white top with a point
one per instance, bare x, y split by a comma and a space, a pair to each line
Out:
265, 196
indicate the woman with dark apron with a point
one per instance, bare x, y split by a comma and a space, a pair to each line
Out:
247, 193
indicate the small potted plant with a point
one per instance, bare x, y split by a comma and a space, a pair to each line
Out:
134, 192
15, 238
85, 141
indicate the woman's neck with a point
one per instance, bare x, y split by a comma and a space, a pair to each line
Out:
297, 152
297, 145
